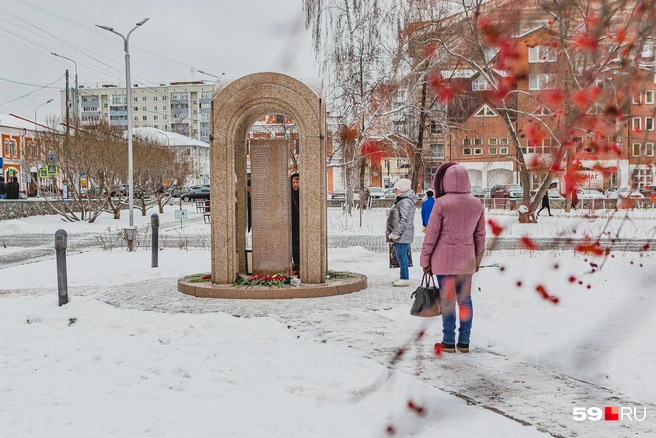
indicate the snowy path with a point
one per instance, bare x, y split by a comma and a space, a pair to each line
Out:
527, 393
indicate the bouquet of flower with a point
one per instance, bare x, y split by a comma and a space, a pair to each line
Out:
277, 280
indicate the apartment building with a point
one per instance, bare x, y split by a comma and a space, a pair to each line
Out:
607, 123
181, 107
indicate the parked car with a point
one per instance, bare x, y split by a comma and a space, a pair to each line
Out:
202, 193
552, 193
647, 191
624, 192
338, 195
478, 192
376, 192
507, 191
590, 194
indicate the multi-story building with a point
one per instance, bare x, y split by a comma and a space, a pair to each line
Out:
182, 107
610, 135
17, 145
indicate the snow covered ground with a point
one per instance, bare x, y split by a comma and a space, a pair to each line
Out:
129, 356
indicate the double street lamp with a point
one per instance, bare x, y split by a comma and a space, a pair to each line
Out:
128, 91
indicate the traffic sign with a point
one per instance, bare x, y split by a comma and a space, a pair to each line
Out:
43, 172
51, 157
1, 162
53, 170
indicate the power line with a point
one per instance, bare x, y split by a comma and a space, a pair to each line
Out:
30, 85
25, 95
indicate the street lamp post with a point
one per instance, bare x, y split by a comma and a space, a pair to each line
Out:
76, 93
38, 186
128, 91
35, 113
210, 74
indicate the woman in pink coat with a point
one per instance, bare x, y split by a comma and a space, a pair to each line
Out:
453, 249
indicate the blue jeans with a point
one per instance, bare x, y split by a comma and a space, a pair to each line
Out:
401, 250
456, 288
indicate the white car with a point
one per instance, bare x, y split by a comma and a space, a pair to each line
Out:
624, 192
590, 194
376, 192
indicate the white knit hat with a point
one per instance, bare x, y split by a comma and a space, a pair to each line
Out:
403, 185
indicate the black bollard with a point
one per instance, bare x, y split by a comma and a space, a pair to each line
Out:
154, 224
62, 281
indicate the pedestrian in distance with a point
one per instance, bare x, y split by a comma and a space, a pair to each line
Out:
3, 188
13, 188
295, 182
401, 227
575, 198
427, 208
545, 204
453, 250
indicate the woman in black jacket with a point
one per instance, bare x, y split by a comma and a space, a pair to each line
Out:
13, 188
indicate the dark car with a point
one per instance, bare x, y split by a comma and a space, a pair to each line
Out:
202, 193
507, 191
338, 194
478, 192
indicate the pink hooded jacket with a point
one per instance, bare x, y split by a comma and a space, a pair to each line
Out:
455, 236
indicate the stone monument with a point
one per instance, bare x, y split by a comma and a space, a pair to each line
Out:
236, 106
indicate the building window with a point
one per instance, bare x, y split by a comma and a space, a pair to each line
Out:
119, 99
156, 126
492, 141
635, 149
155, 108
491, 151
434, 128
649, 123
486, 111
503, 140
165, 117
437, 150
478, 142
163, 98
541, 54
154, 98
155, 117
179, 96
467, 151
637, 99
205, 105
144, 108
105, 105
135, 99
649, 149
649, 97
144, 99
541, 81
136, 118
481, 84
503, 151
136, 108
478, 151
205, 94
642, 177
466, 141
145, 118
636, 124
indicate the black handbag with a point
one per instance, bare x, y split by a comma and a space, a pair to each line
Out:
427, 298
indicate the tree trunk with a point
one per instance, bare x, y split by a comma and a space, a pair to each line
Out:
417, 166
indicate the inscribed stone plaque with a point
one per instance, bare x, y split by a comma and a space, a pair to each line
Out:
270, 198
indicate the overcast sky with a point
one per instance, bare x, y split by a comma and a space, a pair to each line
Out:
235, 37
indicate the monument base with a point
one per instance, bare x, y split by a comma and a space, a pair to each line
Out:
337, 286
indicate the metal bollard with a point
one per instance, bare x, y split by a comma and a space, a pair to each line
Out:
154, 224
62, 281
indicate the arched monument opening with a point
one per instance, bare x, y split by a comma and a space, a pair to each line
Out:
236, 106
